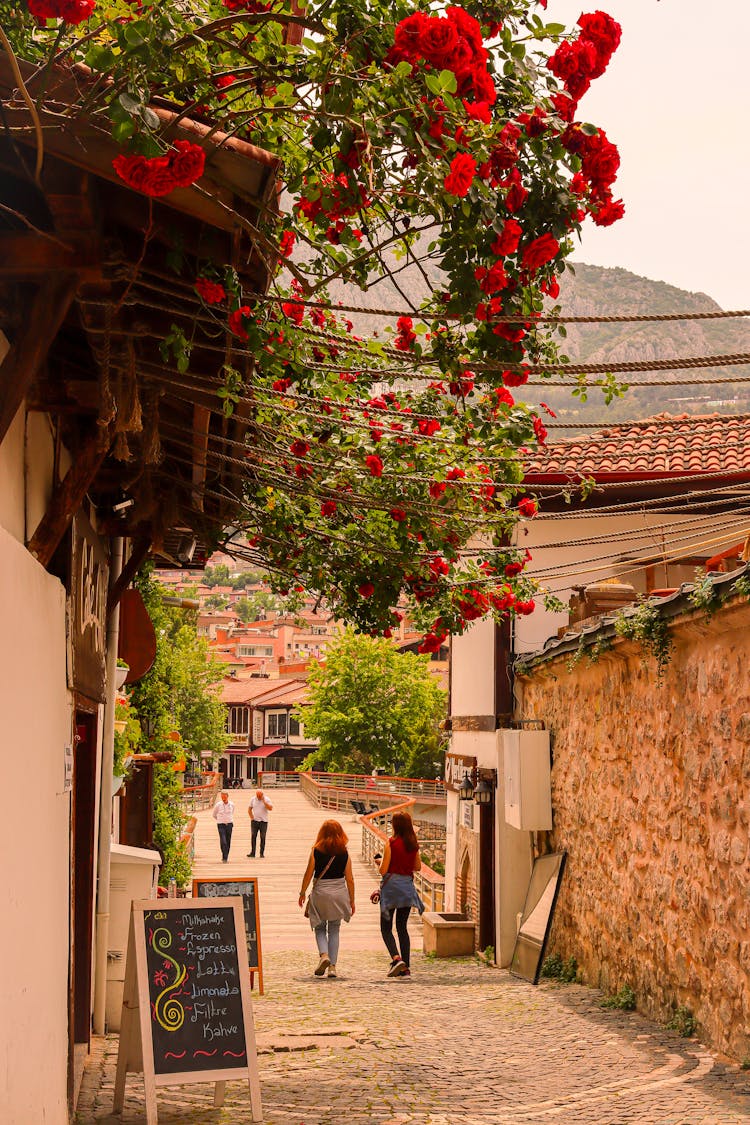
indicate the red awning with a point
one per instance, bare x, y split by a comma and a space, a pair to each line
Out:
263, 752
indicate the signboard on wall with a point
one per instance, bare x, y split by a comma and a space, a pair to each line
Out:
88, 597
456, 765
258, 727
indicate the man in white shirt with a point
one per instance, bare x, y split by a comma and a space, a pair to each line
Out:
223, 814
258, 810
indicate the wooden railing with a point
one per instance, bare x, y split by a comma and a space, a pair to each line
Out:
203, 796
375, 832
327, 791
279, 779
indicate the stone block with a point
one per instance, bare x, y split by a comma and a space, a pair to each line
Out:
447, 935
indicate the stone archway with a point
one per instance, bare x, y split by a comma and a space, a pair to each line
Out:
466, 887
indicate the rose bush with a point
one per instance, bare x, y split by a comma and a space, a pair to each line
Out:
447, 140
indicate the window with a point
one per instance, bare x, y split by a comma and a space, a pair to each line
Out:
255, 650
277, 725
293, 726
238, 720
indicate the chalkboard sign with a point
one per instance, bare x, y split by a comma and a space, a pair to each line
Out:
194, 989
187, 1008
247, 889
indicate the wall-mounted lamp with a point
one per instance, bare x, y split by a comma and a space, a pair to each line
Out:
478, 785
466, 789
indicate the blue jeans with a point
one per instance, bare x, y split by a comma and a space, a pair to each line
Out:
327, 938
225, 838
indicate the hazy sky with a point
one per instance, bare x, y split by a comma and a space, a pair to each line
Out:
676, 101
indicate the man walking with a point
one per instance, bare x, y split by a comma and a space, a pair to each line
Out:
223, 814
258, 810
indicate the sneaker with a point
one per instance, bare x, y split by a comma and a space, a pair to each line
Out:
398, 968
332, 972
251, 855
406, 972
322, 964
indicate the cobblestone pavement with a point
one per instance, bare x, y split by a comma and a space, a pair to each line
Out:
458, 1044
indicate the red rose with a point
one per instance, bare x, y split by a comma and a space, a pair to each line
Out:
466, 25
540, 251
525, 608
211, 291
516, 197
237, 320
432, 642
605, 34
366, 590
508, 239
281, 385
187, 163
405, 336
436, 489
608, 213
288, 239
438, 41
328, 508
294, 311
408, 33
397, 514
527, 507
478, 111
71, 11
428, 426
299, 448
510, 333
374, 464
515, 378
459, 179
512, 569
540, 430
495, 279
484, 87
504, 397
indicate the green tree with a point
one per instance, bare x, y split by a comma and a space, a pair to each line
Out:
372, 706
179, 693
217, 601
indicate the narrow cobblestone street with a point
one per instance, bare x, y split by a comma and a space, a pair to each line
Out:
458, 1044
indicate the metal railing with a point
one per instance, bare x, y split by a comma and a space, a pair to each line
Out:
195, 797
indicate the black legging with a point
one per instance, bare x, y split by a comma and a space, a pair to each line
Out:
386, 928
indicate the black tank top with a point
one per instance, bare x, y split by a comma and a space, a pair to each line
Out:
337, 868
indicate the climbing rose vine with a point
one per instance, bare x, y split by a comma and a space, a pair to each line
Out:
438, 157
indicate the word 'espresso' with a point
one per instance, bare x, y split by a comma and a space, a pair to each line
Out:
194, 990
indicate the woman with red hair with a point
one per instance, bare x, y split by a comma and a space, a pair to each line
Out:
332, 893
397, 892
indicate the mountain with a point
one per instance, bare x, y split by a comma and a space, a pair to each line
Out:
595, 291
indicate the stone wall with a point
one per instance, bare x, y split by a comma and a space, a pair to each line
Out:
651, 799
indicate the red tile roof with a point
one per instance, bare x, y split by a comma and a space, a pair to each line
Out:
663, 446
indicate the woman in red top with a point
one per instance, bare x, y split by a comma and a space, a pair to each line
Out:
398, 894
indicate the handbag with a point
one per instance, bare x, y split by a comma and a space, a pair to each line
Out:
375, 896
314, 884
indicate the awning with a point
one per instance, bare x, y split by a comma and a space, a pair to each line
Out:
264, 752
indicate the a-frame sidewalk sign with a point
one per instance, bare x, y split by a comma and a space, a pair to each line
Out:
187, 1013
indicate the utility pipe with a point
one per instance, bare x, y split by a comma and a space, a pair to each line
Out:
105, 800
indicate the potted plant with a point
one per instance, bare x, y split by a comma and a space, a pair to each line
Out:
126, 739
121, 674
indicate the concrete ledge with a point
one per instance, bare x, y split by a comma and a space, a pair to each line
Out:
447, 935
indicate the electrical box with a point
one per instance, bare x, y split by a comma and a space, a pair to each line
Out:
528, 782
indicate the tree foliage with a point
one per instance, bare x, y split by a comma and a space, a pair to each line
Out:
447, 139
177, 694
373, 707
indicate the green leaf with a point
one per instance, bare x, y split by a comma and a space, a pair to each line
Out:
403, 69
123, 130
130, 104
99, 57
447, 80
150, 118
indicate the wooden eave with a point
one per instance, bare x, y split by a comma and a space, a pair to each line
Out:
99, 250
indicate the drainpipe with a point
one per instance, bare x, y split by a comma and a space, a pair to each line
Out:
105, 801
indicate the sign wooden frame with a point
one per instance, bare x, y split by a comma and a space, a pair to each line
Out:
136, 1050
250, 879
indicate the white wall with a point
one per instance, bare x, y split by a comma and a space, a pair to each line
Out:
473, 672
563, 557
34, 841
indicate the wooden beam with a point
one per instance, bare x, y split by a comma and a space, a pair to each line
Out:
48, 311
141, 547
28, 255
68, 496
201, 420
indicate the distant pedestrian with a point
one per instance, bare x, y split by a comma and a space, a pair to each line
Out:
331, 895
258, 810
397, 891
223, 814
